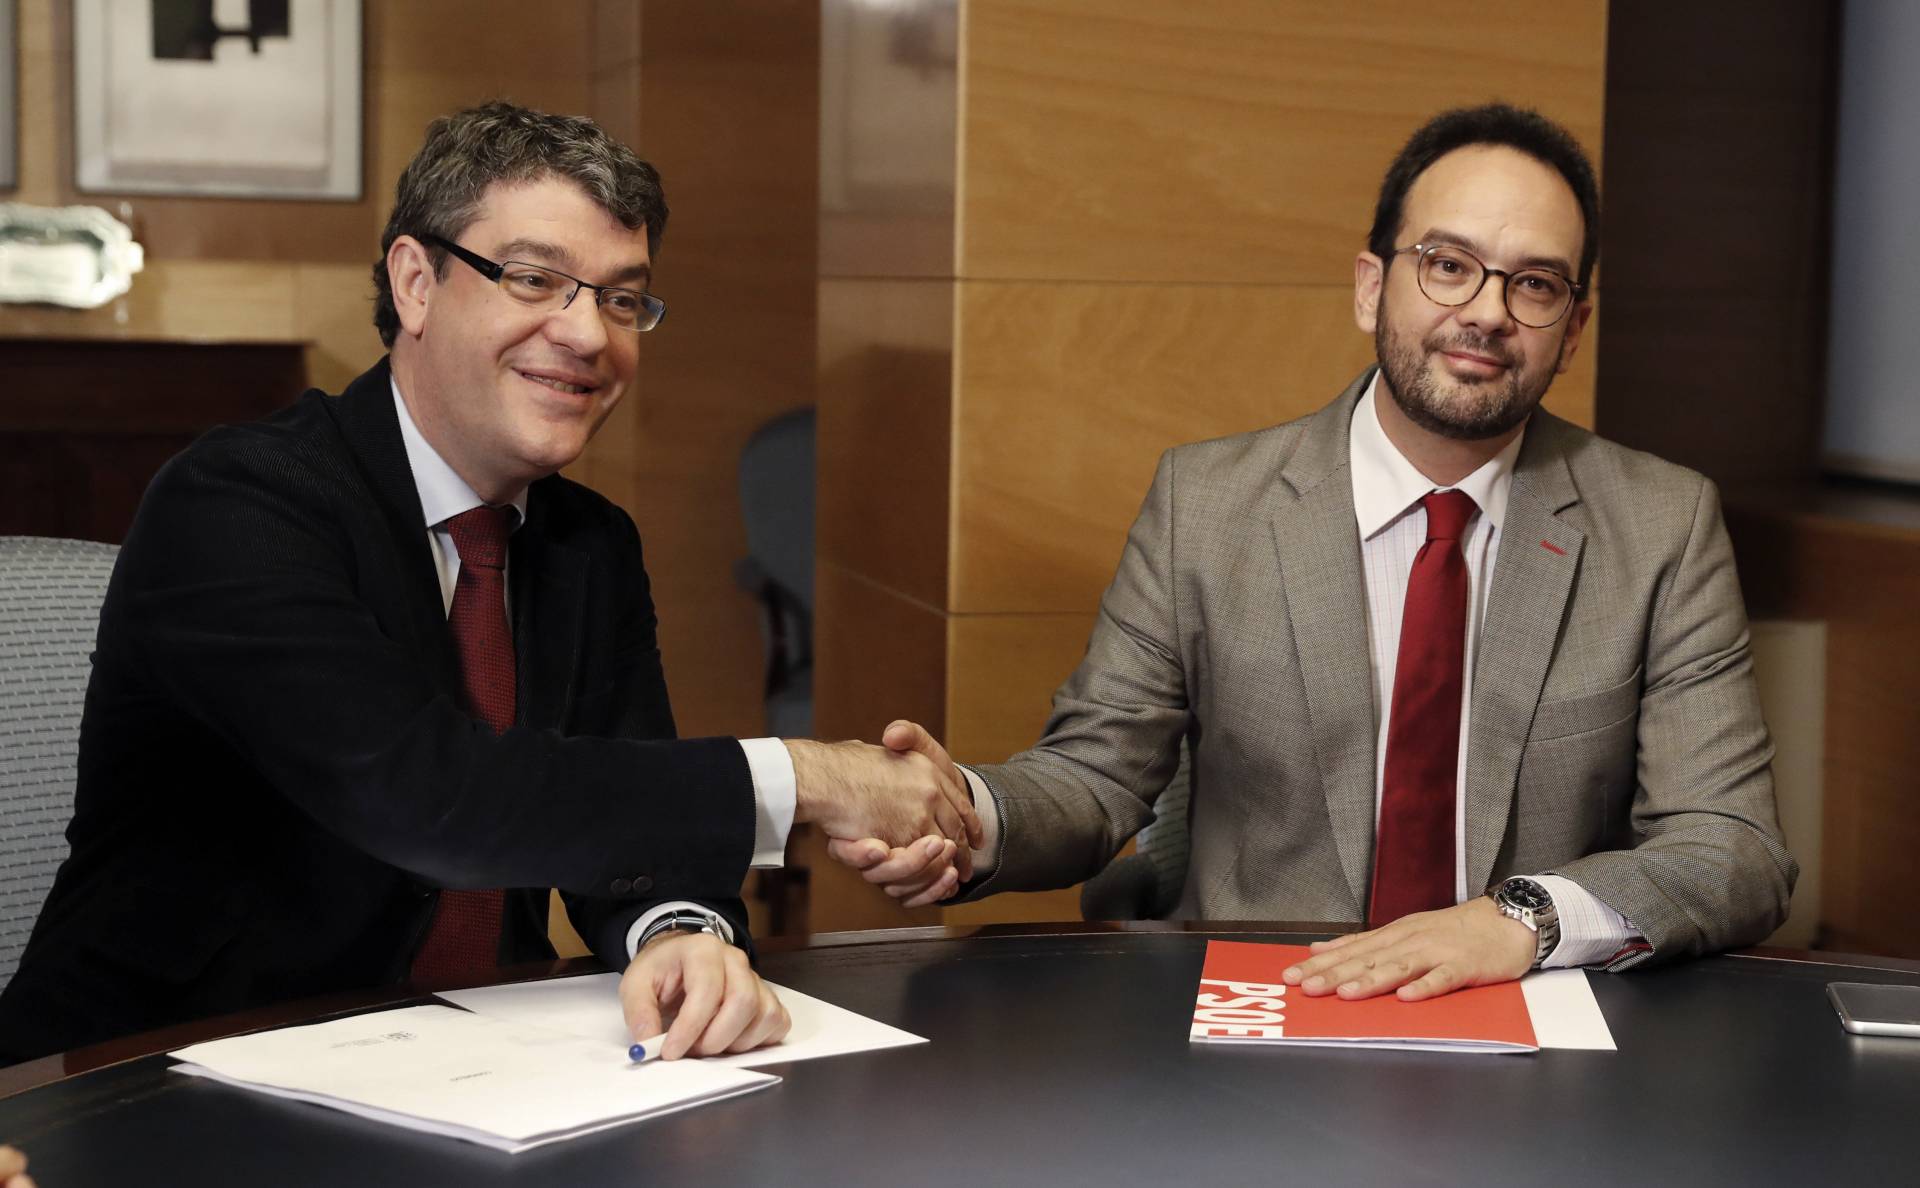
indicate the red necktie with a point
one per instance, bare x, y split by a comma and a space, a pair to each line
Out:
465, 936
1413, 847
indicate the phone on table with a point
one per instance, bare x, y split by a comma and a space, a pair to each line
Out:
1867, 1008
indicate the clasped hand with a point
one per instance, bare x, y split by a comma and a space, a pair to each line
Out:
901, 811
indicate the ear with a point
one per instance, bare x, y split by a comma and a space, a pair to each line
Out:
1576, 326
410, 275
1369, 274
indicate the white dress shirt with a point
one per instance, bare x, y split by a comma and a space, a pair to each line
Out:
1392, 525
444, 495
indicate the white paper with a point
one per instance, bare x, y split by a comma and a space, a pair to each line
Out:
485, 1080
589, 1007
1565, 1013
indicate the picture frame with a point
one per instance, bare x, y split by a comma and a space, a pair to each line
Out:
220, 98
9, 101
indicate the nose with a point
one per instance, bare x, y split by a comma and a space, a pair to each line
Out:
1488, 309
579, 326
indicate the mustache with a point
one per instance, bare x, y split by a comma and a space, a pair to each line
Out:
1473, 344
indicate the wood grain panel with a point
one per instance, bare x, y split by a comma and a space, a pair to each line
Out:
1860, 577
1002, 671
878, 656
1234, 140
182, 300
885, 435
1068, 393
725, 112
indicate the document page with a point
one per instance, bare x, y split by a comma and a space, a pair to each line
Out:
500, 1083
589, 1006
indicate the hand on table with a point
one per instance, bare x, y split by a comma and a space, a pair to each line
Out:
722, 1005
898, 793
1420, 956
13, 1169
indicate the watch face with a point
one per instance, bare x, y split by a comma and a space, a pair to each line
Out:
1525, 893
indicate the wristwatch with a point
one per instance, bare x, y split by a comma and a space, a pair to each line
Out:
687, 919
1525, 900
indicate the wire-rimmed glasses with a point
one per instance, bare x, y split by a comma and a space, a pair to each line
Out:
543, 288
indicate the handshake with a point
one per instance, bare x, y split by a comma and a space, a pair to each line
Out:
900, 813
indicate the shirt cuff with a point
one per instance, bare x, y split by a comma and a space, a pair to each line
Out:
1591, 933
774, 796
677, 905
987, 857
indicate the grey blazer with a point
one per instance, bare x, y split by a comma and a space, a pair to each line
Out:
1615, 733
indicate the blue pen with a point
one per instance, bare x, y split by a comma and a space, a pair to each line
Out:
647, 1049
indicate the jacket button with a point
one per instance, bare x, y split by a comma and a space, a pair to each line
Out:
620, 886
642, 884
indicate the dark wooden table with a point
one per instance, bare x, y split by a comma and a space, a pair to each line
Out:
1060, 1056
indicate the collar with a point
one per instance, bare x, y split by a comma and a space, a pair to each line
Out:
443, 493
1386, 485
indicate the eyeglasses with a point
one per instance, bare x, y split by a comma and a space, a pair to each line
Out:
543, 288
1453, 276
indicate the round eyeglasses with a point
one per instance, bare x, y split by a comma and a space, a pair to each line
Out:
543, 288
1453, 276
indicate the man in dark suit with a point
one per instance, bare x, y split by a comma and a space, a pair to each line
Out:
371, 676
1437, 660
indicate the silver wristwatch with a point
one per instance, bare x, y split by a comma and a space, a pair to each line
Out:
1525, 900
687, 919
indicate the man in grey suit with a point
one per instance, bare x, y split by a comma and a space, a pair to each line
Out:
1425, 643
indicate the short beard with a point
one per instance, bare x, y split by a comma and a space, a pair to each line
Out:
1411, 384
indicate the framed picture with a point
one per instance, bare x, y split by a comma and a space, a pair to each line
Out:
9, 102
241, 98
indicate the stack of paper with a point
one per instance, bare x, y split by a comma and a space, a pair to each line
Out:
589, 1007
1241, 999
500, 1083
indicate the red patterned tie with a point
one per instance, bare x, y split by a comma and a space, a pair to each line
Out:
465, 937
1413, 849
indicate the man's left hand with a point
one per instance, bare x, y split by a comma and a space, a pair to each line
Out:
1420, 956
722, 1005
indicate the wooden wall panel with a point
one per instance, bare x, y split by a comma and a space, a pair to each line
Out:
885, 436
1068, 394
879, 656
1856, 566
1234, 140
1715, 244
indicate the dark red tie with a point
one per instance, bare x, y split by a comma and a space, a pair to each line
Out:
1413, 848
465, 937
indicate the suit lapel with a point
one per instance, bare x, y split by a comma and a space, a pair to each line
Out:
367, 419
549, 585
1532, 580
1319, 551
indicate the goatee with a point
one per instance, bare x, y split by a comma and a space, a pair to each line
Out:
1466, 412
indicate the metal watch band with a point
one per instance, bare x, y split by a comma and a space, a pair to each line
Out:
687, 920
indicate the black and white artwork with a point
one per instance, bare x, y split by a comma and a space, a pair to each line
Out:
245, 98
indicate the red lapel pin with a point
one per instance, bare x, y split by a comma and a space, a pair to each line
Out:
1555, 549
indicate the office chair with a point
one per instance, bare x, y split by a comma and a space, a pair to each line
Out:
50, 594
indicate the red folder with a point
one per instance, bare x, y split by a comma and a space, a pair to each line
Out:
1242, 1000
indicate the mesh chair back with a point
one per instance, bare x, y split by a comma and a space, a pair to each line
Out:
50, 594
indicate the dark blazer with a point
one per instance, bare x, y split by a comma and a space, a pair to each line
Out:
275, 772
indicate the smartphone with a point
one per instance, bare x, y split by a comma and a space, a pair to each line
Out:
1867, 1008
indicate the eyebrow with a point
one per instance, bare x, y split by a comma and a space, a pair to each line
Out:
544, 252
1439, 235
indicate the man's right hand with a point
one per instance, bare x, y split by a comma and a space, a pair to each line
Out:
13, 1169
898, 792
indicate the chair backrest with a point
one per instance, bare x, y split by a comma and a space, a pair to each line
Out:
776, 506
50, 593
